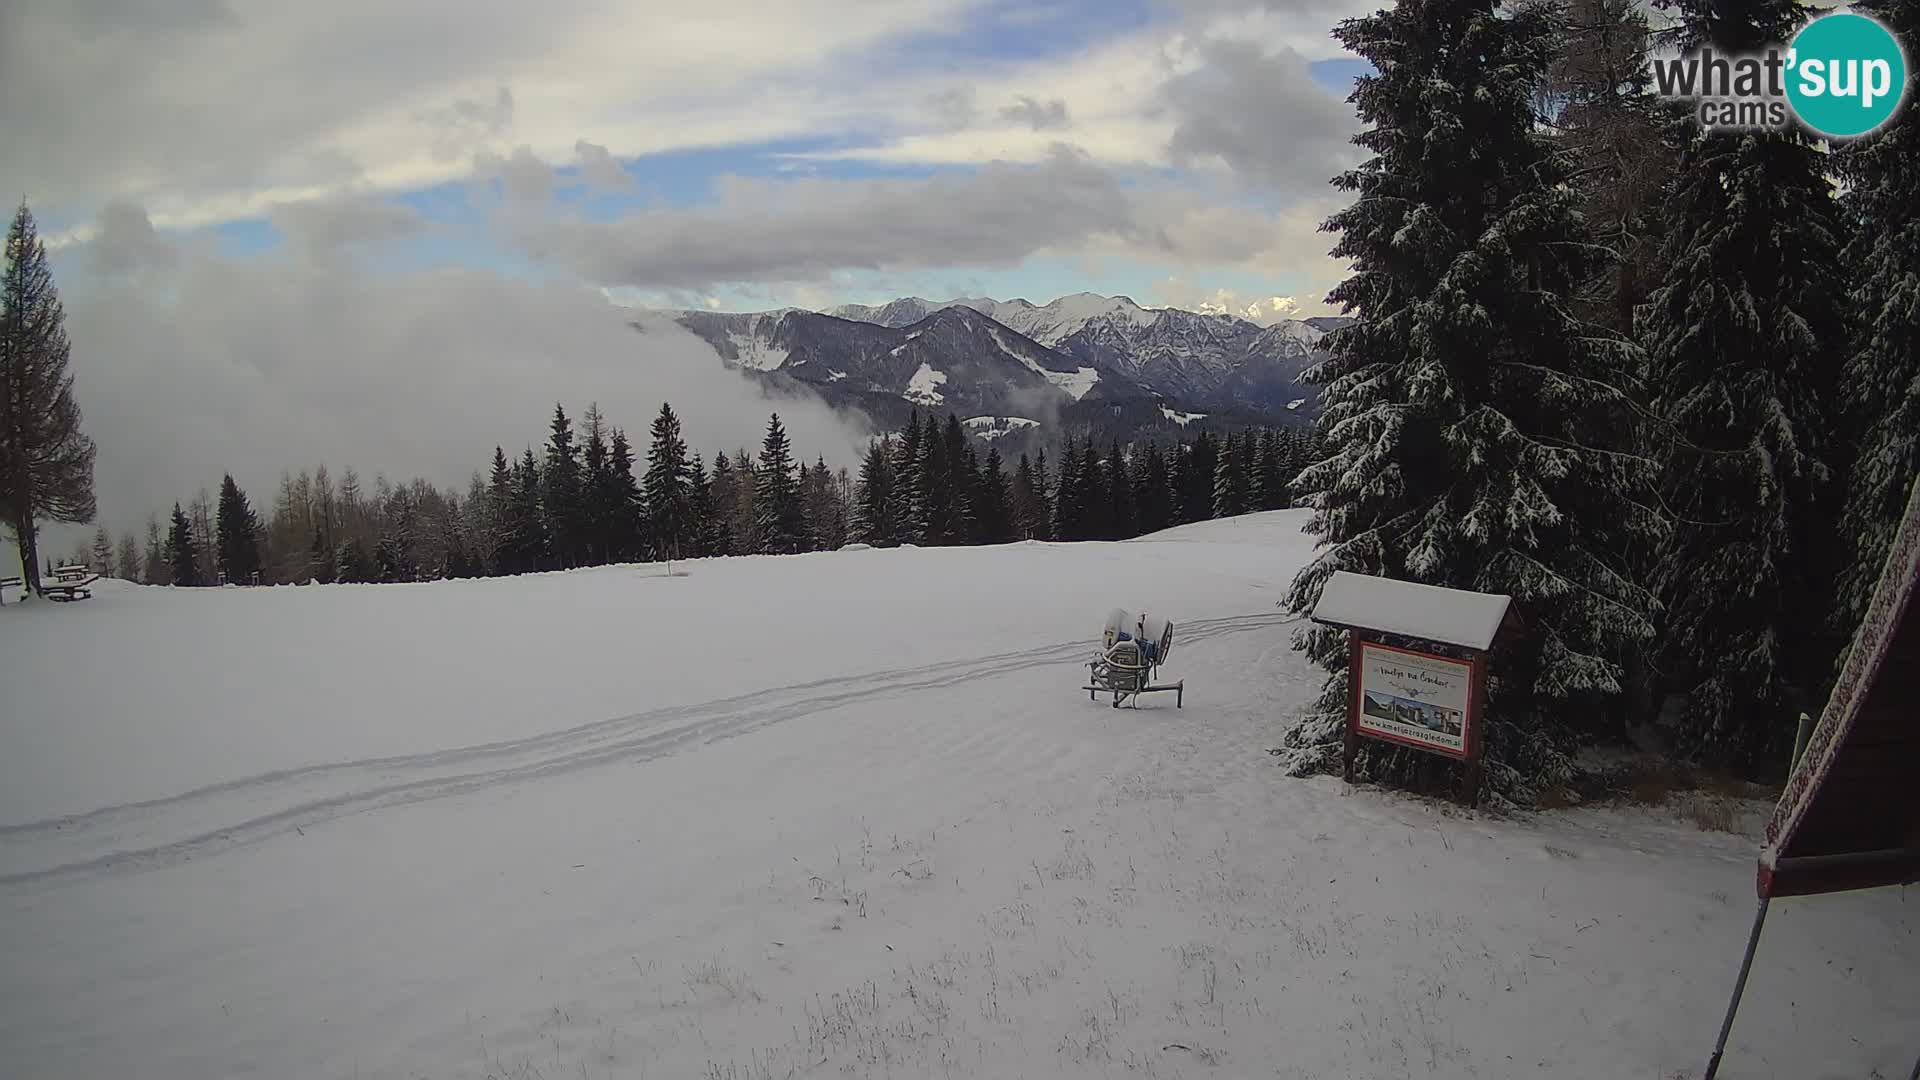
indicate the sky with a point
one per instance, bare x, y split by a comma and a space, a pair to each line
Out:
382, 234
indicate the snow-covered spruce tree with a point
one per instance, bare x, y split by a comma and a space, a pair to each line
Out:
1881, 380
994, 508
1471, 422
1745, 339
1230, 480
1043, 495
1152, 491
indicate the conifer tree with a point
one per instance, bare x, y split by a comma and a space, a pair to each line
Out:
667, 487
1069, 511
1026, 502
1603, 114
994, 507
1745, 336
699, 509
724, 494
933, 501
625, 502
322, 563
509, 551
46, 462
561, 497
1270, 486
1096, 507
873, 500
102, 553
239, 534
530, 517
126, 560
1123, 522
907, 512
746, 528
158, 569
1196, 488
1881, 380
1475, 426
1153, 491
1229, 480
1043, 492
597, 500
779, 519
183, 559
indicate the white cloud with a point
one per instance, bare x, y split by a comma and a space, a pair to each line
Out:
253, 365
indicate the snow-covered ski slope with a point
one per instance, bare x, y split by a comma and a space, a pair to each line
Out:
827, 815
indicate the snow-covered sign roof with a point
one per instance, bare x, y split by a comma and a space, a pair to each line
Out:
1450, 616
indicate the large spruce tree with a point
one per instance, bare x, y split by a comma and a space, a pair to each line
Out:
238, 529
46, 462
561, 498
873, 502
183, 560
1745, 336
668, 487
1473, 424
779, 518
1881, 380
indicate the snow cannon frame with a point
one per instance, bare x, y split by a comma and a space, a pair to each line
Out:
1131, 652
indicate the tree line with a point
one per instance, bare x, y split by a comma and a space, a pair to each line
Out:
583, 499
1657, 382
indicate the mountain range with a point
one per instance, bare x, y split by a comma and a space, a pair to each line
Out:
1082, 359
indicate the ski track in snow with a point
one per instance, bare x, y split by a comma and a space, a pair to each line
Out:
161, 832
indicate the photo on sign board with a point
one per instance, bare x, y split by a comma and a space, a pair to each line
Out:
1414, 697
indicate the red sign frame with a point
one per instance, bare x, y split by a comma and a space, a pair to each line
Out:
1474, 738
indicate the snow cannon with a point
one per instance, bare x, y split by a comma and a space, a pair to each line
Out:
1132, 648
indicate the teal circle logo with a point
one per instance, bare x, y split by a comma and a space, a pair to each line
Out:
1846, 74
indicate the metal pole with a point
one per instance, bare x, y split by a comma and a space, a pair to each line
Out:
1800, 738
1739, 988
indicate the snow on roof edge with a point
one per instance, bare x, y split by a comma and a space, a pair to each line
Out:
1470, 620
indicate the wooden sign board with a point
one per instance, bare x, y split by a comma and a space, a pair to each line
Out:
1428, 690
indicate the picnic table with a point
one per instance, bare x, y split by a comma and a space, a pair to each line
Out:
69, 583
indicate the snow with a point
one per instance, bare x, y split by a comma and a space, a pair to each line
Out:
920, 388
993, 427
835, 375
613, 823
1296, 403
1055, 322
1181, 418
757, 353
1453, 616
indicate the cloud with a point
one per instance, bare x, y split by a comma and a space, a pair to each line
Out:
1037, 115
323, 228
805, 229
524, 177
456, 128
256, 365
203, 111
599, 169
1261, 115
125, 241
952, 109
